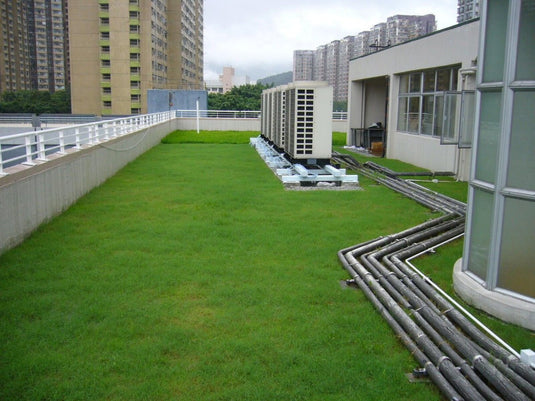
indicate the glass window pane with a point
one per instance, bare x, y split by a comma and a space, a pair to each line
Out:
516, 272
466, 129
402, 114
443, 80
526, 51
521, 171
489, 135
494, 52
439, 115
478, 254
427, 114
429, 81
449, 129
416, 82
404, 83
414, 114
454, 78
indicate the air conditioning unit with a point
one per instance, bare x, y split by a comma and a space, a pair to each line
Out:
297, 119
308, 125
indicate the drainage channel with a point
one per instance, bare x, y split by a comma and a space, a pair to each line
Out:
464, 363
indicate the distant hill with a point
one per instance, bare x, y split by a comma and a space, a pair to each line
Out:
276, 80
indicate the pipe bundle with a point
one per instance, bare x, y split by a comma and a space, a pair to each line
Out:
464, 363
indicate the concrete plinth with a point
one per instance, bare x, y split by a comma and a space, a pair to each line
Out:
502, 306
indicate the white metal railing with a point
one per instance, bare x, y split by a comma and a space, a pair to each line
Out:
35, 146
337, 115
217, 114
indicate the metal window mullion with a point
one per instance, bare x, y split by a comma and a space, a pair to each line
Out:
513, 20
421, 107
475, 140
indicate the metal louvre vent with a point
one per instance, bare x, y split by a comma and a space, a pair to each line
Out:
300, 119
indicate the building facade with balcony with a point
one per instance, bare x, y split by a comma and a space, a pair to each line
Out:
15, 65
303, 65
34, 42
122, 49
467, 10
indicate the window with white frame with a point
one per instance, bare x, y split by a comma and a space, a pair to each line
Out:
423, 107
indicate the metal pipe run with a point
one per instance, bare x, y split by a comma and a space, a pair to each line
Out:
461, 360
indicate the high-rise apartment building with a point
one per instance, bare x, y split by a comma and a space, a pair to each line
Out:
331, 61
467, 10
34, 43
378, 36
362, 41
332, 67
122, 48
320, 63
346, 52
303, 67
401, 28
14, 46
48, 44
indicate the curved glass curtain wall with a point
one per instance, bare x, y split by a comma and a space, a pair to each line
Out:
500, 246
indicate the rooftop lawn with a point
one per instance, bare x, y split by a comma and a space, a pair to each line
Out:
193, 275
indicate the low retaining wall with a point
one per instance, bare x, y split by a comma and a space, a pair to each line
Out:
239, 124
34, 195
220, 124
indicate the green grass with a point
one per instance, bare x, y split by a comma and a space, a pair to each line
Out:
193, 275
220, 137
229, 137
339, 138
445, 185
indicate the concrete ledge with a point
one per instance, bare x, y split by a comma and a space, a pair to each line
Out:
504, 307
31, 196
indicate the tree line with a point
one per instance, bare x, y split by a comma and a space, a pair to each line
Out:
245, 97
248, 97
38, 102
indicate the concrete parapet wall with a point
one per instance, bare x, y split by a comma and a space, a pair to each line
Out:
220, 124
31, 196
238, 124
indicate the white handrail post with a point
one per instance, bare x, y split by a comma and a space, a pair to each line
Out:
28, 149
41, 147
1, 163
61, 143
198, 123
77, 138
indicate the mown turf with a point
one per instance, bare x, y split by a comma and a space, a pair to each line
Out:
193, 275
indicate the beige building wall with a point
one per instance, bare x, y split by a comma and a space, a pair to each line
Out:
84, 52
457, 46
121, 49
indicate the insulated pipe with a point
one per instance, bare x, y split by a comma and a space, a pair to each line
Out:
442, 362
504, 373
443, 326
386, 171
435, 375
520, 374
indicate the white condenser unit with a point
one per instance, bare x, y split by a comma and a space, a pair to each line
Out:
308, 125
266, 114
297, 119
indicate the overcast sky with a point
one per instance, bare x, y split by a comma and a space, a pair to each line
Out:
258, 38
